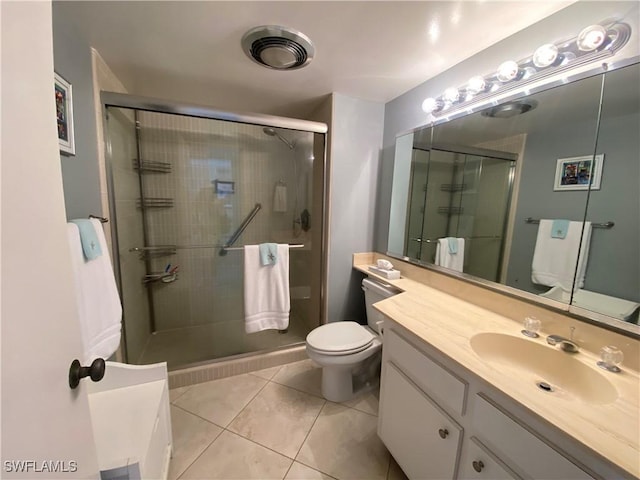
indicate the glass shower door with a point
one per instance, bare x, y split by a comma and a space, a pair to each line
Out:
181, 191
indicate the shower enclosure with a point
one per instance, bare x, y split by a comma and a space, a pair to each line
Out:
189, 187
464, 194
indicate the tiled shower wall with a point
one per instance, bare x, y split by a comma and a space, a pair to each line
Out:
209, 287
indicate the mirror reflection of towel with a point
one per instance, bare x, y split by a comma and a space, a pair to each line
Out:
555, 259
444, 256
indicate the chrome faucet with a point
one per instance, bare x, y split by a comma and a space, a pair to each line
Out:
566, 344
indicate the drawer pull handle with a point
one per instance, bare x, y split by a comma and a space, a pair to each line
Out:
478, 465
443, 432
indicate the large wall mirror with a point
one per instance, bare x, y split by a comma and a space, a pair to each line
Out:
541, 194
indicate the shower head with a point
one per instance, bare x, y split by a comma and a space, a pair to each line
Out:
272, 133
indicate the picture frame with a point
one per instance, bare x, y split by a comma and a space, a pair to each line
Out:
64, 115
578, 173
224, 187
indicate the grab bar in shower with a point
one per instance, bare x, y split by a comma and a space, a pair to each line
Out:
238, 232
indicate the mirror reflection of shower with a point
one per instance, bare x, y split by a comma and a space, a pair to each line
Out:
301, 218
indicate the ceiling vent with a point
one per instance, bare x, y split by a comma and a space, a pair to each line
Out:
277, 47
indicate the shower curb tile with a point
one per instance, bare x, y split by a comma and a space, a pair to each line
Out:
227, 368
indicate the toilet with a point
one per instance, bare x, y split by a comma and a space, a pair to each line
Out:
350, 353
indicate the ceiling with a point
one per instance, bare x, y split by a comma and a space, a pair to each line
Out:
374, 50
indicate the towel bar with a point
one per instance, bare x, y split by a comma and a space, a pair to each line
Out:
608, 224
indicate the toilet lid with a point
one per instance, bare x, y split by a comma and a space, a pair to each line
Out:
340, 337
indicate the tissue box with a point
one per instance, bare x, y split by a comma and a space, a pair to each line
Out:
392, 274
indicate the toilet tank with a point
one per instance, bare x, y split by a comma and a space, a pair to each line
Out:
374, 291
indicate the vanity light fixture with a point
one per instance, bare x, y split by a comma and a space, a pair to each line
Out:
593, 43
476, 85
508, 71
431, 105
591, 38
451, 95
545, 55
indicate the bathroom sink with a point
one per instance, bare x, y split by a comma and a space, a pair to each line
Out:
553, 371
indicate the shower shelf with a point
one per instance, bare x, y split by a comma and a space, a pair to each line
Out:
453, 187
159, 278
151, 166
154, 252
155, 202
451, 210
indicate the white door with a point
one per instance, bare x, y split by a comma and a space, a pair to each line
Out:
46, 428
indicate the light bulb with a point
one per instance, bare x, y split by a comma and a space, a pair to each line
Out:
451, 95
591, 38
431, 105
545, 55
476, 85
508, 71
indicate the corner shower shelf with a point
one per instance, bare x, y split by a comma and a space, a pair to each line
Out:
154, 252
155, 202
451, 210
453, 187
151, 166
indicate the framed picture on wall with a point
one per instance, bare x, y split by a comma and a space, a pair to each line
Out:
64, 115
577, 173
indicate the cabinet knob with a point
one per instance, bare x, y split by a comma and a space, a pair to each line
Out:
443, 432
478, 465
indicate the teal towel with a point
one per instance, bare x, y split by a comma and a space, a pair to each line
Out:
88, 239
559, 228
268, 254
453, 245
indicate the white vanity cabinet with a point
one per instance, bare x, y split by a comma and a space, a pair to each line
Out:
423, 439
439, 421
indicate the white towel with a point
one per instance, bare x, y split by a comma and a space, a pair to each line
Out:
97, 299
280, 198
266, 290
444, 258
554, 259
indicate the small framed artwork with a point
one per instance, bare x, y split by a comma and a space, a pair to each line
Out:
64, 115
578, 173
223, 187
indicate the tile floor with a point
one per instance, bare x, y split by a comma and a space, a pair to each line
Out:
274, 424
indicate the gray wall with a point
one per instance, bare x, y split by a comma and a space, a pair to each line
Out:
80, 173
356, 137
404, 112
613, 256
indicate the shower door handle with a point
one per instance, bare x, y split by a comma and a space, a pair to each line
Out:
78, 372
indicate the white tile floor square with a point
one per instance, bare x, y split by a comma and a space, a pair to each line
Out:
274, 424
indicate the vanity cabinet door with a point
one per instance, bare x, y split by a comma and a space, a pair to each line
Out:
478, 463
422, 438
521, 449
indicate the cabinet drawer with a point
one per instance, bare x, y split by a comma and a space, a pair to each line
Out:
479, 463
448, 390
520, 449
423, 439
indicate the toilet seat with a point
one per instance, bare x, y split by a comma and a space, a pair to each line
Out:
340, 338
